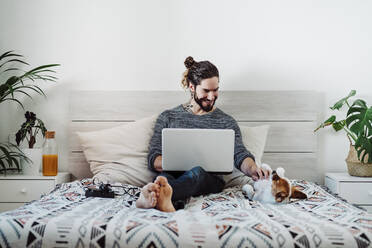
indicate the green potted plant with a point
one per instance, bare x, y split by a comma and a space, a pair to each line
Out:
14, 81
28, 131
358, 127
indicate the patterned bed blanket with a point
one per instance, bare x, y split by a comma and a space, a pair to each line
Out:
66, 218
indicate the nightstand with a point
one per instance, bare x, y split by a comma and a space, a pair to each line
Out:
356, 190
16, 190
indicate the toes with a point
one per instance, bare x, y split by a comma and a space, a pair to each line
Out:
153, 187
147, 187
153, 199
162, 181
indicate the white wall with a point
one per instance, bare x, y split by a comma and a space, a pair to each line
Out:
141, 45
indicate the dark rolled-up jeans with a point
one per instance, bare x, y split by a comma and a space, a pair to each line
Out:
193, 182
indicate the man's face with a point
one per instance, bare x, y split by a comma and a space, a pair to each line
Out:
206, 93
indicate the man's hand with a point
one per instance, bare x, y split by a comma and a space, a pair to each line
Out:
158, 164
250, 168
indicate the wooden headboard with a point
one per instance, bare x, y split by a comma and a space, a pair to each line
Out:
292, 115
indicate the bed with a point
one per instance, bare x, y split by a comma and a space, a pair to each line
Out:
66, 218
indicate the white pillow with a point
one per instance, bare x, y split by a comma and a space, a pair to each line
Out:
119, 154
254, 139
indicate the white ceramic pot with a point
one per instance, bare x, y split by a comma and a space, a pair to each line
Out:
35, 155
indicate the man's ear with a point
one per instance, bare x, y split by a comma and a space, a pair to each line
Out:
191, 87
297, 194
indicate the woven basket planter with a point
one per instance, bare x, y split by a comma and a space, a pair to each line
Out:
355, 167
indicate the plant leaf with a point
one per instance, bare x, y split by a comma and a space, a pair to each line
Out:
13, 60
10, 155
23, 92
338, 125
2, 165
9, 54
10, 69
16, 163
5, 151
359, 118
359, 121
31, 87
327, 122
4, 55
39, 68
12, 84
12, 80
13, 99
363, 147
338, 105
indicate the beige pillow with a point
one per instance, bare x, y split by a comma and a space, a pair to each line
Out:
254, 139
119, 154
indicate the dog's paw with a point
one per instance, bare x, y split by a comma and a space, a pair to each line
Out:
248, 190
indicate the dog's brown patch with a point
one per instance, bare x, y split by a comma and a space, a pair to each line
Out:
280, 188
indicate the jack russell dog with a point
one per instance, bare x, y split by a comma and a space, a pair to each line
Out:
275, 189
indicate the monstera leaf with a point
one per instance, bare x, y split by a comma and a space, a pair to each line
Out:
359, 118
359, 121
363, 146
341, 102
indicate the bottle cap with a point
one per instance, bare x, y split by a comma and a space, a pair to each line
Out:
50, 134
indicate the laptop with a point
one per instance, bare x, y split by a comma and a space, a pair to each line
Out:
212, 149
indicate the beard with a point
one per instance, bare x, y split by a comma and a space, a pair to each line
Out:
200, 101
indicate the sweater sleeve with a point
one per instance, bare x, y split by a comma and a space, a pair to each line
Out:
155, 146
240, 152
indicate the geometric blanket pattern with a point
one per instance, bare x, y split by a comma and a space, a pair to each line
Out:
66, 218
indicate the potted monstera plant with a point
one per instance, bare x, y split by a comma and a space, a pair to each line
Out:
16, 82
358, 127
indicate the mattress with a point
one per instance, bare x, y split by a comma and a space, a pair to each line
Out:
66, 218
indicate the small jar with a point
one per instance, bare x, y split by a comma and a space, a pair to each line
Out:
50, 154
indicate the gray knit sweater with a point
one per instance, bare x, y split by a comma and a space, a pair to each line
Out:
178, 117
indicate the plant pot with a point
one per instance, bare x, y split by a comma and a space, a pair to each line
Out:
35, 155
355, 167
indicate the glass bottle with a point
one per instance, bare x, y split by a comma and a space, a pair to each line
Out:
50, 155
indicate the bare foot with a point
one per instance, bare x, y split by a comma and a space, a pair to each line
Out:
165, 196
149, 196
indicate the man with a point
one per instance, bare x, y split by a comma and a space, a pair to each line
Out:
202, 78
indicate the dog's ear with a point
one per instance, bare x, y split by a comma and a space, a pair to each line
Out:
297, 194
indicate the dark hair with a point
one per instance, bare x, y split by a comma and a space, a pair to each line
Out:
197, 71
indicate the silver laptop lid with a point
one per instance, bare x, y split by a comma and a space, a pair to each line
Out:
212, 149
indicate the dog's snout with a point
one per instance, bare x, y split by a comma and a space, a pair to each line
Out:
274, 172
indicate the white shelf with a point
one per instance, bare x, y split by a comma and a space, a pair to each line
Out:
15, 190
356, 190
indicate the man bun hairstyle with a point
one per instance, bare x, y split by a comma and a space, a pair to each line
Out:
197, 71
189, 62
